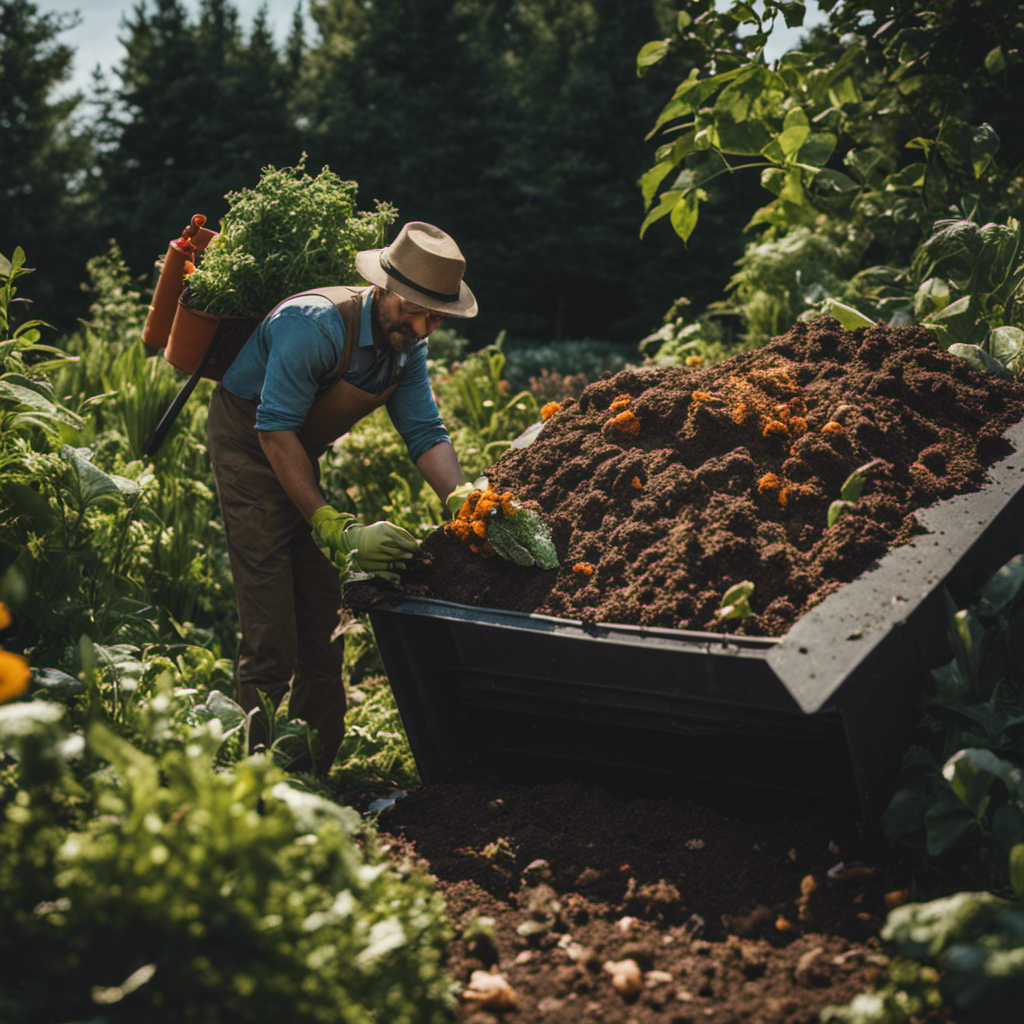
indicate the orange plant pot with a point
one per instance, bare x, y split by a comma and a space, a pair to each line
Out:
189, 337
169, 286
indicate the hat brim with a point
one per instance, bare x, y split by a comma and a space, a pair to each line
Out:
368, 264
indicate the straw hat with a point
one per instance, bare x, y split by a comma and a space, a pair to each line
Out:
423, 265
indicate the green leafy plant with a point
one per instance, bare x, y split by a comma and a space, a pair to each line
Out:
200, 886
523, 538
735, 603
850, 491
290, 232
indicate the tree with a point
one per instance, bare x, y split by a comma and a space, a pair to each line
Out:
44, 157
200, 109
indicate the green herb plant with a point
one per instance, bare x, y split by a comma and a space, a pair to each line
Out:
290, 232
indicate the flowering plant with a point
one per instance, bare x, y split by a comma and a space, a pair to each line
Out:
289, 233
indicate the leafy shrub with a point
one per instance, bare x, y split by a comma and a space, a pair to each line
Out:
288, 233
588, 356
178, 891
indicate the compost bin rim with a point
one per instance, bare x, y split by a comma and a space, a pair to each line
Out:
554, 624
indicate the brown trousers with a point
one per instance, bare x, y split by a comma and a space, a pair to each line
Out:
288, 594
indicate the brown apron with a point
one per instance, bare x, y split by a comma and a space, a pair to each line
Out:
288, 594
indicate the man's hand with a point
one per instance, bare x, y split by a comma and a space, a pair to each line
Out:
379, 548
458, 497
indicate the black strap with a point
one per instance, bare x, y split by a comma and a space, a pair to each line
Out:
386, 266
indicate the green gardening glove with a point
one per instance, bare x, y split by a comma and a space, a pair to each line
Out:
380, 548
329, 533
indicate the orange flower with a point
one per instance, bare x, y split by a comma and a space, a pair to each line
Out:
625, 423
636, 483
190, 267
768, 484
14, 675
694, 360
775, 428
622, 402
741, 413
549, 410
784, 496
5, 616
833, 429
507, 508
480, 528
583, 568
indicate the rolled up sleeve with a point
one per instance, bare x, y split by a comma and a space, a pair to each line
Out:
413, 410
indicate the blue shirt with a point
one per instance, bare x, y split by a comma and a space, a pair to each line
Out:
291, 357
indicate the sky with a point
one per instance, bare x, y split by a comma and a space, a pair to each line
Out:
95, 39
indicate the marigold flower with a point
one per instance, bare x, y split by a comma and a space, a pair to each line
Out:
480, 528
190, 268
636, 483
625, 423
507, 507
833, 429
5, 616
14, 675
741, 413
694, 360
768, 484
583, 568
775, 428
549, 410
622, 402
784, 496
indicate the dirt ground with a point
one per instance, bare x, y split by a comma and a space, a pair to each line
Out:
711, 915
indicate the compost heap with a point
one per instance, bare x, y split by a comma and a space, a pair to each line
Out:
664, 487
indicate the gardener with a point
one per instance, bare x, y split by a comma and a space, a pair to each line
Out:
316, 364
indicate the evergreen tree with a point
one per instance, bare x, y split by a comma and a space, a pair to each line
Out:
44, 158
200, 109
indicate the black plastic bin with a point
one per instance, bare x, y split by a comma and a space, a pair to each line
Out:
822, 712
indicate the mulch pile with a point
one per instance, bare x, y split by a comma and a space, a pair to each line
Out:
664, 487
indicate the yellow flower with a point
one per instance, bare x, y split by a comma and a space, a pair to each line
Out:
5, 616
14, 675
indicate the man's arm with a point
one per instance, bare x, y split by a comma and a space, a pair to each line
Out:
291, 464
440, 468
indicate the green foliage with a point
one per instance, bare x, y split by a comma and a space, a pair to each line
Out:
850, 491
961, 795
523, 538
288, 233
735, 603
965, 950
375, 748
474, 398
589, 357
200, 887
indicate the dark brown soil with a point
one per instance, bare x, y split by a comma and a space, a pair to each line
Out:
729, 478
728, 920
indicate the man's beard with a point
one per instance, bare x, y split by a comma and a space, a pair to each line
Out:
401, 337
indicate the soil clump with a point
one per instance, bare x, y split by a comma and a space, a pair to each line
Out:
664, 487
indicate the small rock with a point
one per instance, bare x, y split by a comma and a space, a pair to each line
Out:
627, 979
808, 968
653, 978
537, 871
588, 877
489, 991
549, 1004
625, 924
496, 807
525, 957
